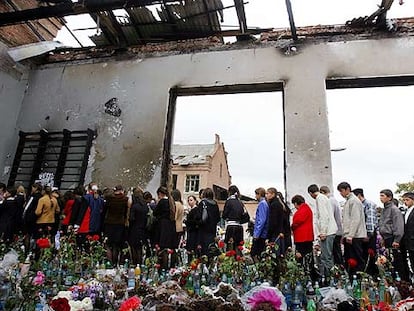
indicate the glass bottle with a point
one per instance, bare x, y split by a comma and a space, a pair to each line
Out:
318, 294
381, 290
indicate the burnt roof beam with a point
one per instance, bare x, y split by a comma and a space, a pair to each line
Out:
68, 8
241, 15
170, 18
291, 20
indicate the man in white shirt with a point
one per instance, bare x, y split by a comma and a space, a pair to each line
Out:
326, 227
337, 249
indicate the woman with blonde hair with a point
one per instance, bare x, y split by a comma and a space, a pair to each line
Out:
179, 215
46, 210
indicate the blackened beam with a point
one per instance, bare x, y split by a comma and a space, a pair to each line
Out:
241, 15
120, 36
67, 8
170, 17
291, 20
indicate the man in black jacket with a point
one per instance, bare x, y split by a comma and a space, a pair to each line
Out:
408, 238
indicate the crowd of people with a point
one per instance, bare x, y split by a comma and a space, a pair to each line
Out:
346, 235
351, 235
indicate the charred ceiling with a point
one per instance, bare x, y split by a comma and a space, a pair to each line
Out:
152, 25
141, 23
27, 31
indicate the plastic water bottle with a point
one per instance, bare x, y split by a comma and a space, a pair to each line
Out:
287, 292
297, 297
196, 283
131, 279
302, 295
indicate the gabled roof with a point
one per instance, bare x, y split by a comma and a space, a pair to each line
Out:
191, 154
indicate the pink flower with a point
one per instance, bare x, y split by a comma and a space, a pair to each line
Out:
130, 304
266, 295
39, 279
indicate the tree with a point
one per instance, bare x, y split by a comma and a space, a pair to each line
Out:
405, 187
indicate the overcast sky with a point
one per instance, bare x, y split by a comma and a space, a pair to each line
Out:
379, 150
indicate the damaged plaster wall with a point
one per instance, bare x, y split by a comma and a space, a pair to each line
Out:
127, 101
12, 88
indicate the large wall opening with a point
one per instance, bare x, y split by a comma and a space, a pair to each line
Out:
371, 134
250, 125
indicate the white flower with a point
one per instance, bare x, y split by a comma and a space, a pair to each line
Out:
75, 305
111, 295
64, 294
87, 304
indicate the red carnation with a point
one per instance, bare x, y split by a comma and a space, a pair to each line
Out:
221, 244
240, 247
231, 253
241, 242
238, 258
60, 304
170, 251
371, 252
130, 304
352, 263
43, 243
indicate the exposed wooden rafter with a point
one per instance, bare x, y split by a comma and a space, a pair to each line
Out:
241, 15
62, 9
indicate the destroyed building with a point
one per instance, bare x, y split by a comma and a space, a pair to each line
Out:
106, 112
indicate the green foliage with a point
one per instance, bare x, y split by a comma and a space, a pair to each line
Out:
291, 270
405, 187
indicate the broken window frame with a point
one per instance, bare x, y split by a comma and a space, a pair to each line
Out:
174, 92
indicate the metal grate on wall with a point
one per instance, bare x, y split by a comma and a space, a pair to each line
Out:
59, 157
